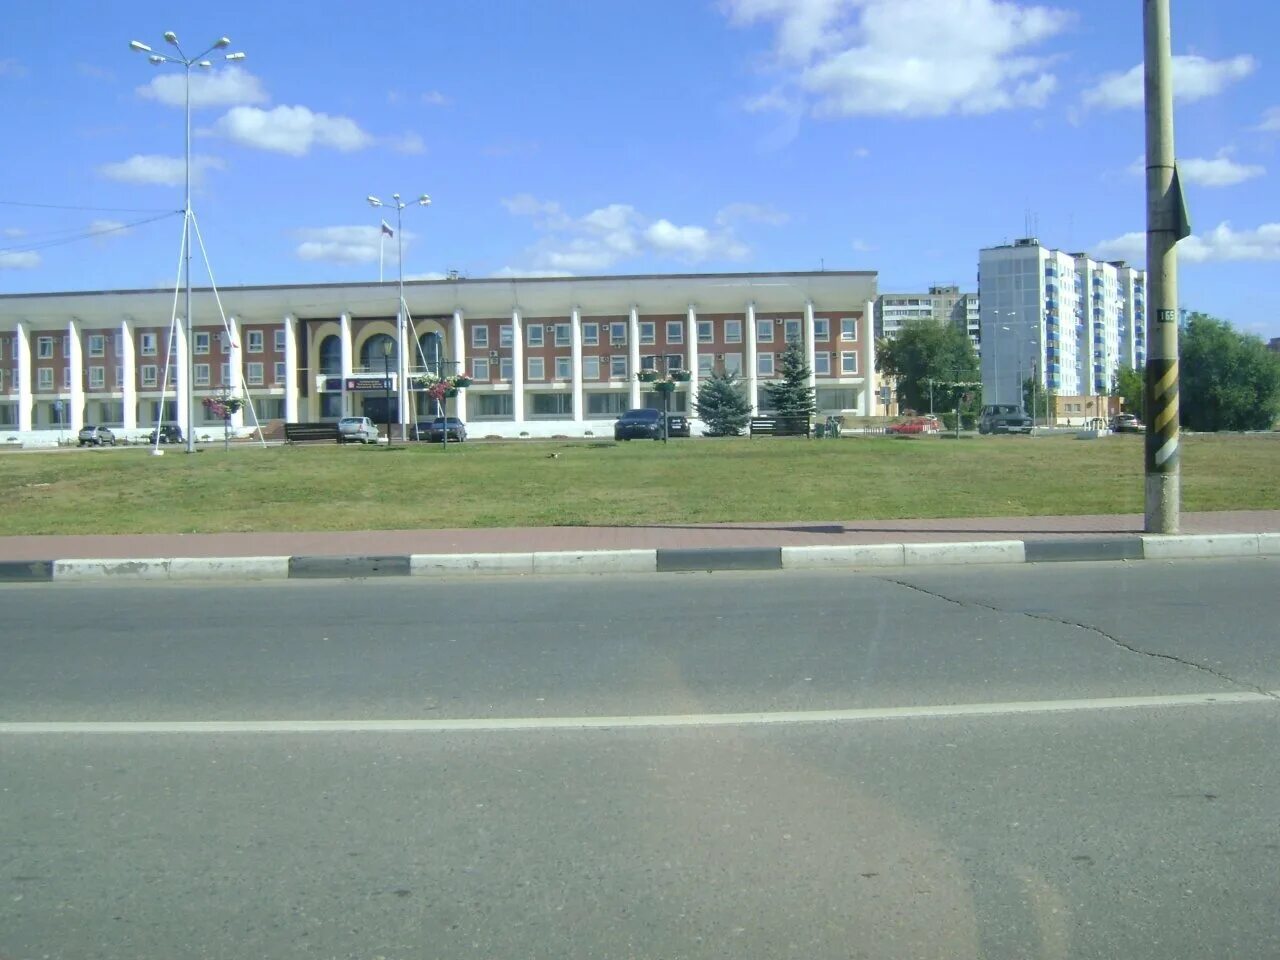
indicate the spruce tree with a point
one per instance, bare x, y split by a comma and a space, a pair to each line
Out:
722, 405
792, 396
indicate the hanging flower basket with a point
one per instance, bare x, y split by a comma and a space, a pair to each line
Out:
223, 407
680, 376
461, 383
665, 386
647, 376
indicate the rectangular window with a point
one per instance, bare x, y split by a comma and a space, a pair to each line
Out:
674, 361
224, 340
44, 378
66, 345
764, 364
733, 331
66, 378
97, 378
821, 329
706, 331
1, 380
202, 374
618, 367
279, 340
649, 363
617, 334
480, 336
591, 334
648, 333
564, 368
792, 331
148, 374
605, 404
849, 363
119, 376
733, 364
480, 369
675, 331
537, 368
202, 344
491, 406
506, 369
44, 348
117, 344
764, 331
225, 374
148, 341
280, 374
706, 363
564, 334
97, 345
590, 368
254, 374
552, 405
849, 329
505, 336
822, 364
255, 341
533, 335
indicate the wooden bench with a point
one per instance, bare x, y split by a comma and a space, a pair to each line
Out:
310, 433
780, 426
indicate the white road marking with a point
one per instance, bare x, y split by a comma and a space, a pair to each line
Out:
524, 724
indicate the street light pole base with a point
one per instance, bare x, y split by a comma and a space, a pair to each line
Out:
1164, 498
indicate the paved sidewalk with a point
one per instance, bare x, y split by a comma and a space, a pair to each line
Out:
668, 537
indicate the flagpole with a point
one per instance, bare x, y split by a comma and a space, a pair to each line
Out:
382, 240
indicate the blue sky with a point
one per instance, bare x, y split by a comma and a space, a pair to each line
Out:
593, 136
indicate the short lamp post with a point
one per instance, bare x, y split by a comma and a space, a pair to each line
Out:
386, 384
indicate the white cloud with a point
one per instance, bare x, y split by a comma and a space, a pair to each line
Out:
23, 260
14, 232
692, 242
861, 153
409, 143
1270, 121
1221, 171
861, 246
907, 57
429, 275
153, 168
355, 244
12, 68
291, 130
1194, 78
104, 231
226, 87
771, 100
1221, 244
751, 213
434, 98
516, 273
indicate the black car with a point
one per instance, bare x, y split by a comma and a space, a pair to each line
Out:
169, 433
434, 431
1004, 418
677, 425
638, 425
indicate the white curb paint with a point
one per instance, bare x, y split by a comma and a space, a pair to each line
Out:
1175, 547
150, 569
421, 564
596, 561
1269, 544
229, 568
855, 555
525, 724
988, 551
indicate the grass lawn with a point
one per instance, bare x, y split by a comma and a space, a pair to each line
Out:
688, 481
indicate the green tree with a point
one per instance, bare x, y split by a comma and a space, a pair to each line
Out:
1229, 380
1041, 404
928, 350
1129, 386
792, 396
722, 405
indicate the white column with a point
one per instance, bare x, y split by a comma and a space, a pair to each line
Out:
575, 347
868, 358
633, 357
180, 371
236, 360
753, 377
517, 366
402, 373
458, 353
810, 349
344, 335
290, 368
128, 363
691, 353
22, 348
75, 360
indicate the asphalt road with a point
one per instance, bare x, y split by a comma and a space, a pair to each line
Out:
1107, 830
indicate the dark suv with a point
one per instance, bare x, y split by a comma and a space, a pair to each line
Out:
166, 434
435, 430
677, 425
1004, 418
638, 425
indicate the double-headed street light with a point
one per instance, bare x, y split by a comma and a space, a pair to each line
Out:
402, 363
182, 60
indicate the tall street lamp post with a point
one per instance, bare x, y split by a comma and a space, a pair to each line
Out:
182, 60
402, 364
386, 385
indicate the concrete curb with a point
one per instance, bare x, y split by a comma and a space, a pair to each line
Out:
550, 562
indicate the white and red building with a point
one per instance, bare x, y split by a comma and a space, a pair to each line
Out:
547, 356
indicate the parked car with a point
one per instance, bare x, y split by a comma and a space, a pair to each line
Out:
169, 433
96, 437
913, 425
643, 424
1127, 423
357, 430
677, 425
1004, 418
434, 430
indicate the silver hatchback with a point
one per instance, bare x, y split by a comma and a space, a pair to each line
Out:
357, 430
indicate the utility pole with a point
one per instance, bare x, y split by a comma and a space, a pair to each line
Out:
1166, 224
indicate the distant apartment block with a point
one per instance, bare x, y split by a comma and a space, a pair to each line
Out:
943, 303
1063, 319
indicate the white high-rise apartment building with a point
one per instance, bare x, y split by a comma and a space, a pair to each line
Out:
1063, 319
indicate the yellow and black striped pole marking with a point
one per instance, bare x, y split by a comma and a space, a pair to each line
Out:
1162, 411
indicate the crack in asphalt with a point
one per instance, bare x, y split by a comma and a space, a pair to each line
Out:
1090, 628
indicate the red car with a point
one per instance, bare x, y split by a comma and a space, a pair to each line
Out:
914, 425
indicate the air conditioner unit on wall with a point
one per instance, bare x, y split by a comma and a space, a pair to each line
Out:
493, 354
